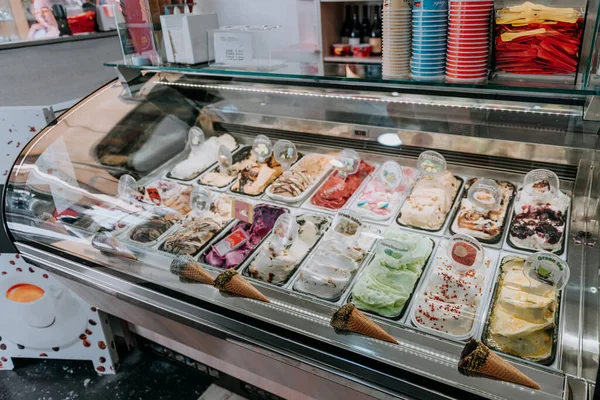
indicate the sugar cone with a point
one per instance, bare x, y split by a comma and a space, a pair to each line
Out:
186, 267
351, 319
232, 282
478, 360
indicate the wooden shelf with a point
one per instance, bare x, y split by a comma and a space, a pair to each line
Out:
357, 60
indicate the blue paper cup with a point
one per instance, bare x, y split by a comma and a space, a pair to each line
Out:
431, 5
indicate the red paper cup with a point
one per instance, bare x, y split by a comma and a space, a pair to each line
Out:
470, 7
469, 14
474, 31
466, 58
469, 25
466, 72
465, 66
454, 53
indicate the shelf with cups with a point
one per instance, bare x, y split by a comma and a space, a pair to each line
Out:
354, 60
298, 72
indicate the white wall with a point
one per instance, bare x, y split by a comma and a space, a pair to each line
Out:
297, 17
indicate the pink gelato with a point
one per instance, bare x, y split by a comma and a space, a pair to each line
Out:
378, 199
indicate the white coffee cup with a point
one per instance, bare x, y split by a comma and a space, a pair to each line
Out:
40, 313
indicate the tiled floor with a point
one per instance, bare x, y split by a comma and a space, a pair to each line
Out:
141, 376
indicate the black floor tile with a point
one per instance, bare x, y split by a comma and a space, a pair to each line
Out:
141, 376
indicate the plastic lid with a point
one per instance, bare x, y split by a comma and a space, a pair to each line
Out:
225, 159
391, 174
195, 137
347, 224
485, 194
541, 184
431, 163
285, 232
262, 148
346, 163
285, 153
465, 252
547, 268
200, 199
396, 250
127, 189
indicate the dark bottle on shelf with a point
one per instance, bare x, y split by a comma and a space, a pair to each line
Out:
347, 27
375, 36
356, 32
365, 25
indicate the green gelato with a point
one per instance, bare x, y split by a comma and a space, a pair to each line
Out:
388, 281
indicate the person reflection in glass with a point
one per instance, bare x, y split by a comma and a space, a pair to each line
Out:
46, 26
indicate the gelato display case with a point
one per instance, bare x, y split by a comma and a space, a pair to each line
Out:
358, 241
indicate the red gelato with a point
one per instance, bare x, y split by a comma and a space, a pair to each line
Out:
336, 191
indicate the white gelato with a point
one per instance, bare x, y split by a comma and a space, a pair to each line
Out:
202, 157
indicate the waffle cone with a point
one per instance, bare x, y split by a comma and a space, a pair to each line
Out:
197, 274
351, 319
232, 282
478, 360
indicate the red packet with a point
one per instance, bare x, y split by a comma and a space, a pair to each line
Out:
242, 211
154, 196
231, 242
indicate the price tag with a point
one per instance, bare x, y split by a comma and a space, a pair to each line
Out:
107, 243
285, 153
195, 139
262, 148
431, 164
465, 252
233, 47
397, 251
231, 242
348, 224
127, 189
285, 232
547, 268
485, 194
391, 174
346, 163
542, 185
225, 159
200, 199
242, 210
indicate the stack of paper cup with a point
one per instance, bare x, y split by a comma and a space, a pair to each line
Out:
396, 24
469, 29
429, 29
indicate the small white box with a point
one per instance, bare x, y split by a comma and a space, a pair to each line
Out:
186, 36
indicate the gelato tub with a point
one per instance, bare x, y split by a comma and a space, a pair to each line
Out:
196, 231
386, 285
449, 301
202, 159
254, 179
165, 193
265, 217
485, 225
299, 181
331, 267
536, 227
335, 192
152, 230
429, 202
523, 316
240, 161
379, 202
276, 267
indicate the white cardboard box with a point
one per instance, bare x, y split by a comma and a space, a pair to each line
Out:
186, 36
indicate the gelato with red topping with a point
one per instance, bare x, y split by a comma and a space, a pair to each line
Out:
450, 298
336, 191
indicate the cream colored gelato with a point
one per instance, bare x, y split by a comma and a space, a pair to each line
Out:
523, 316
429, 202
203, 157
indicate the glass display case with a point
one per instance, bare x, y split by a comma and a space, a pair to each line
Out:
148, 189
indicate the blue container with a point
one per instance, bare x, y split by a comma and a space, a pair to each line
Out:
428, 74
429, 5
419, 46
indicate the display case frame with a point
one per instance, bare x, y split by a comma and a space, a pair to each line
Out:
299, 329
